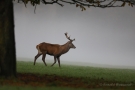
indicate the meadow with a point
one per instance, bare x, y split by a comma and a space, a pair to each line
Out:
70, 76
111, 74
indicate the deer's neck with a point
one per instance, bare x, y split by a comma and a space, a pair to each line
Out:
65, 48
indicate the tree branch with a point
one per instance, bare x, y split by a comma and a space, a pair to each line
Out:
84, 3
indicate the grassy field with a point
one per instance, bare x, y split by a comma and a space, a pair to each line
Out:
111, 74
38, 88
40, 77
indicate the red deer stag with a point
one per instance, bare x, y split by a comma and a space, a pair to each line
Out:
55, 50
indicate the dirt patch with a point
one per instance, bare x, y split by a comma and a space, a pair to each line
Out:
52, 80
37, 80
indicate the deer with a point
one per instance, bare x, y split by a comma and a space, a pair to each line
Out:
55, 50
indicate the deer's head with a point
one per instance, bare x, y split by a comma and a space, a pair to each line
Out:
71, 45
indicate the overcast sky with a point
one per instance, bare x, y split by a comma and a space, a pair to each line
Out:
103, 36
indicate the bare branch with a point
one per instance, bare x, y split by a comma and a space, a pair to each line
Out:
83, 3
67, 2
35, 8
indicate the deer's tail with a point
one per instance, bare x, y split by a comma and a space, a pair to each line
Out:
39, 51
37, 47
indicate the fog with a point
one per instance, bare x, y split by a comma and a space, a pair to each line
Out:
102, 36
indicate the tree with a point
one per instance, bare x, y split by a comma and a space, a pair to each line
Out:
7, 38
7, 41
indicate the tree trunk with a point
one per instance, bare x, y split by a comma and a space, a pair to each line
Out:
7, 39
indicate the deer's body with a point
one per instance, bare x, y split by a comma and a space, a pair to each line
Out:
55, 50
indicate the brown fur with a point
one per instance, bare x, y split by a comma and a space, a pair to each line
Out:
55, 50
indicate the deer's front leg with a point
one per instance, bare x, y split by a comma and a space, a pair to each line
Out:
54, 60
59, 61
43, 58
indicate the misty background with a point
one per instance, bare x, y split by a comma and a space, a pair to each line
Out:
102, 36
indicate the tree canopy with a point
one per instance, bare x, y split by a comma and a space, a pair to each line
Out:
82, 3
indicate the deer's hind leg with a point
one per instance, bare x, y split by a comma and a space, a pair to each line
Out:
39, 54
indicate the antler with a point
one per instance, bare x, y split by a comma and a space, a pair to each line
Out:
68, 37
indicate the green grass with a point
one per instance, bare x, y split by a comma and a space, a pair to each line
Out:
109, 74
52, 88
84, 72
36, 88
